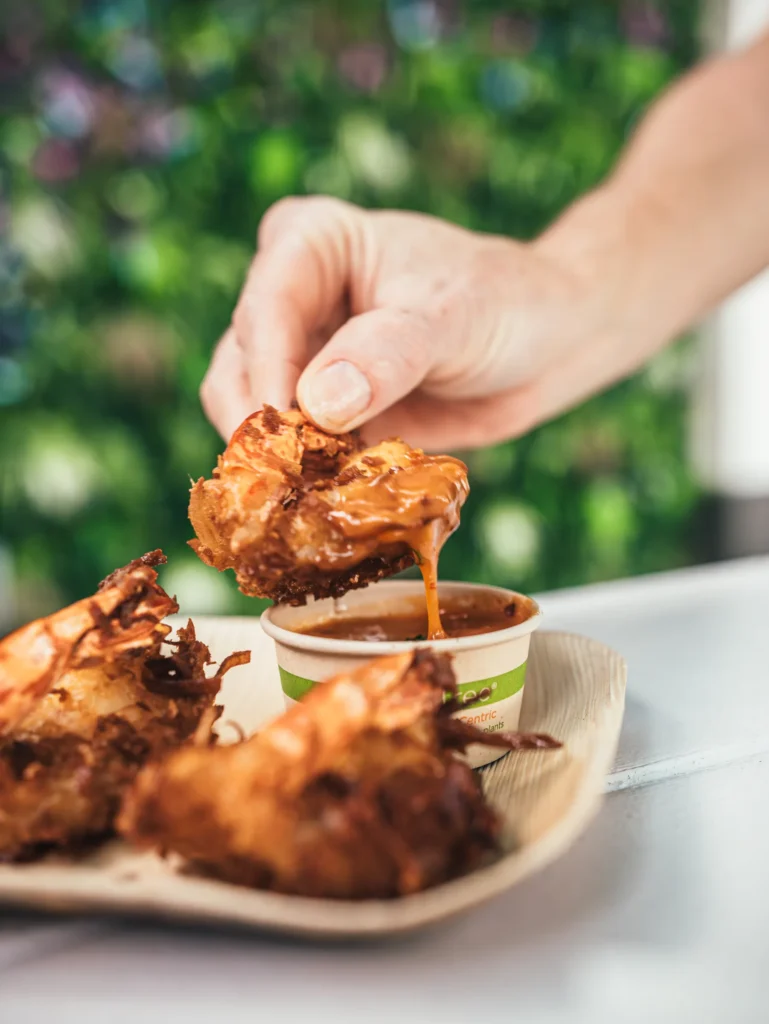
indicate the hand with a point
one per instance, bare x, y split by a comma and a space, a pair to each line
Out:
454, 340
404, 323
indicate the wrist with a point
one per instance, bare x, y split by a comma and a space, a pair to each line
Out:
606, 241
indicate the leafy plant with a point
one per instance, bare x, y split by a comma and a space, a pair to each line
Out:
139, 145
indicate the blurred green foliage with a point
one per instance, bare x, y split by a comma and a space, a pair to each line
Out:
139, 145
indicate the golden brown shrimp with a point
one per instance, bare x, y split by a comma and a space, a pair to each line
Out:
353, 793
92, 700
295, 511
123, 617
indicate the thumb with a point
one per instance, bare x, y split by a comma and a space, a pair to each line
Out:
371, 362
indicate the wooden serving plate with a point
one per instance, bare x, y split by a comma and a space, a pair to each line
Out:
575, 690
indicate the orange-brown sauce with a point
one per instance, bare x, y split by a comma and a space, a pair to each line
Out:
427, 544
458, 619
383, 506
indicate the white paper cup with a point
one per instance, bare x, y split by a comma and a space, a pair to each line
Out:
490, 667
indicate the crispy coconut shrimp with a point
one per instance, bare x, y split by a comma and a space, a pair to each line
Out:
297, 512
87, 696
123, 617
353, 793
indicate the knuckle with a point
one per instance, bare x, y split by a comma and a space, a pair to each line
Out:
308, 219
277, 217
291, 211
325, 204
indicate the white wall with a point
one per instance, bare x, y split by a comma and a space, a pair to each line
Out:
730, 435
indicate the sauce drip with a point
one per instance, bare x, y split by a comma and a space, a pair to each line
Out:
429, 569
427, 546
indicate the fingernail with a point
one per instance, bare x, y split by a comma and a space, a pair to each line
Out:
336, 395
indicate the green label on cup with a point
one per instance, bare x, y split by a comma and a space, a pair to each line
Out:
489, 691
471, 695
294, 686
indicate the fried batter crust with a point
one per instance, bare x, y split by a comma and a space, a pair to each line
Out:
353, 793
123, 617
108, 700
298, 512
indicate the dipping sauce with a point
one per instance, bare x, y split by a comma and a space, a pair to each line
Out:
490, 633
458, 619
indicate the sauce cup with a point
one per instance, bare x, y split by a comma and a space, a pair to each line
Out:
490, 667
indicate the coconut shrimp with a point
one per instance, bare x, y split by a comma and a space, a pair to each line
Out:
87, 696
298, 512
353, 793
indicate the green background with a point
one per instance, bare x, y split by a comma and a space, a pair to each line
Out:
139, 145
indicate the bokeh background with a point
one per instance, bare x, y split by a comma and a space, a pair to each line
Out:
140, 142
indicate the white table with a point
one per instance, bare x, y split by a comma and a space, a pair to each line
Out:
660, 913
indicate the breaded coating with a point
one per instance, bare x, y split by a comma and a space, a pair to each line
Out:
353, 793
87, 697
298, 512
123, 617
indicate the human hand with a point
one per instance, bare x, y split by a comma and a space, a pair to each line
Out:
450, 339
411, 326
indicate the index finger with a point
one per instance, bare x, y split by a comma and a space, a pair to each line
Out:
297, 281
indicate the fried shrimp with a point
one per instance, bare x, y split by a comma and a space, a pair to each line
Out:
297, 512
354, 793
87, 696
124, 616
